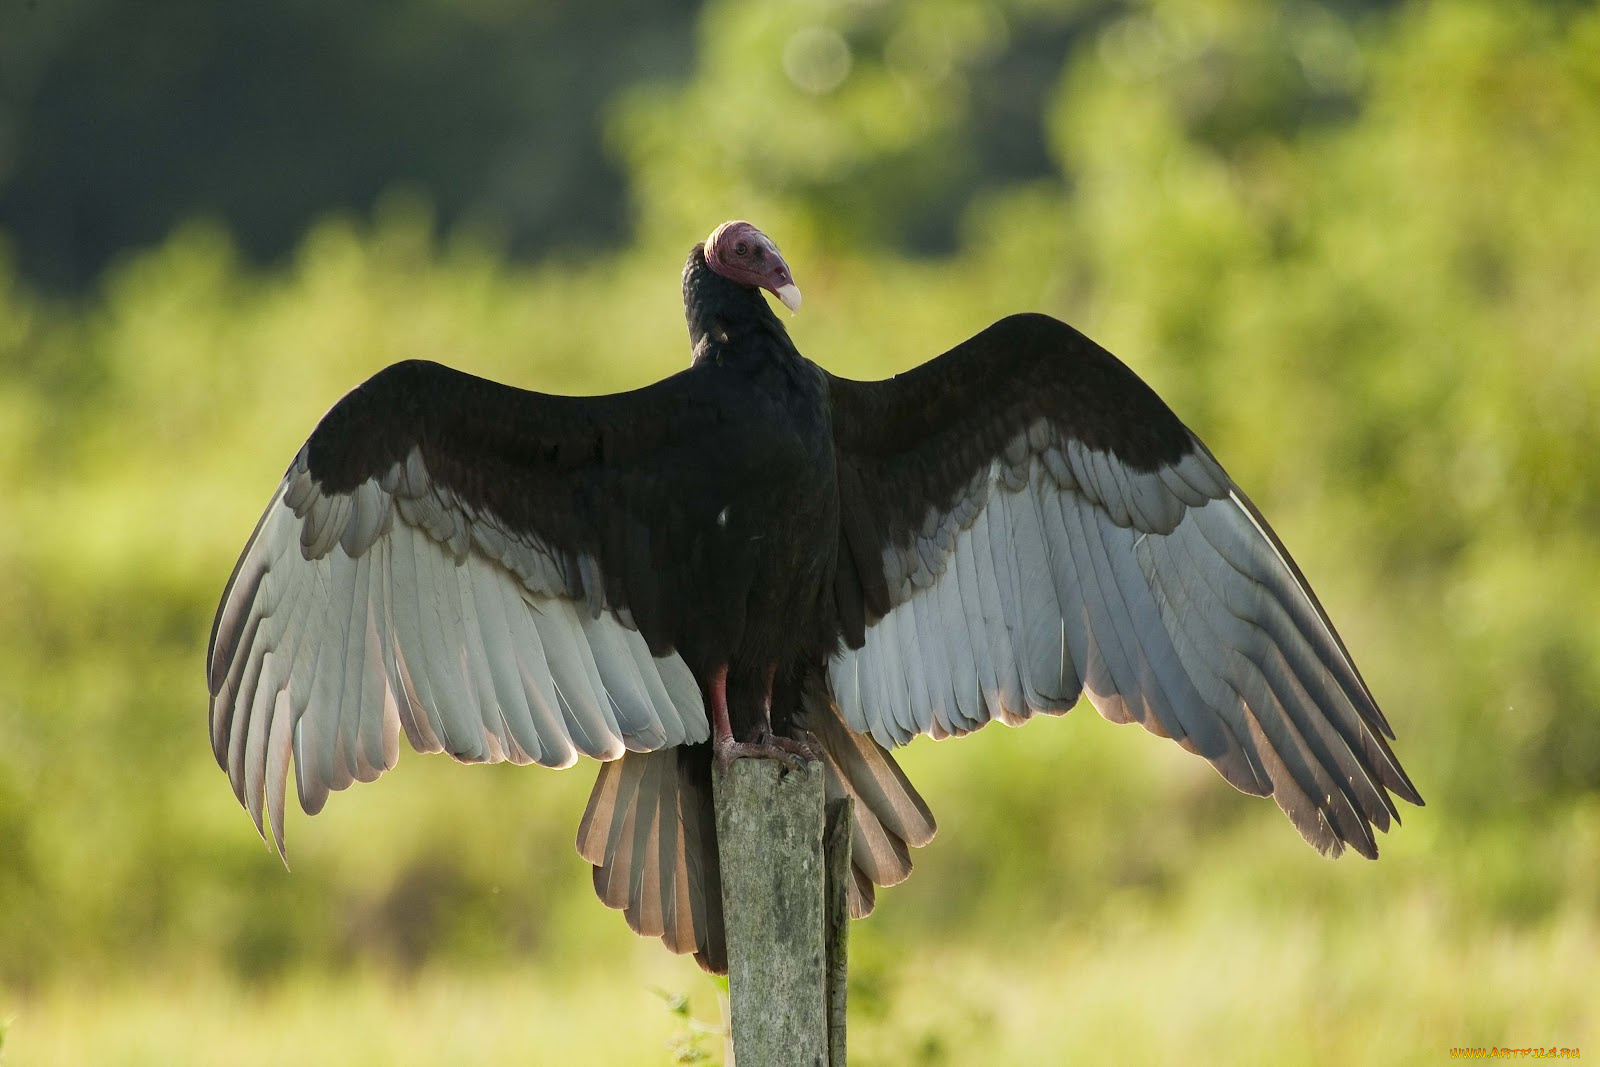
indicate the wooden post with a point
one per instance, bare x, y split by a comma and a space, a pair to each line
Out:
770, 824
836, 858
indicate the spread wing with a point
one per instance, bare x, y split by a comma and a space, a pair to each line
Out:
1024, 521
484, 568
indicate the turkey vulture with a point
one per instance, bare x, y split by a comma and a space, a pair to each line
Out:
754, 557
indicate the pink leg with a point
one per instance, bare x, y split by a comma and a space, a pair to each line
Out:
723, 746
767, 737
721, 728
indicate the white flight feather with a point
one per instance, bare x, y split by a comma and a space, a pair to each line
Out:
343, 625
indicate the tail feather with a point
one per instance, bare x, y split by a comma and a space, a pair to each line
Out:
700, 906
890, 817
650, 831
646, 831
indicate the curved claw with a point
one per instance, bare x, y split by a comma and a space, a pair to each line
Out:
789, 744
791, 753
787, 751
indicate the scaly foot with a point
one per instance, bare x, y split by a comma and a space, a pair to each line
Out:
787, 751
789, 744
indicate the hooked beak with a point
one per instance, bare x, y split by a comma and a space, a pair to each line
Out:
790, 295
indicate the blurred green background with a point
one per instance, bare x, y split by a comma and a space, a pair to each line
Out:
1356, 245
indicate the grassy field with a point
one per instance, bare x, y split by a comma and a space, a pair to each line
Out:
1404, 988
1247, 948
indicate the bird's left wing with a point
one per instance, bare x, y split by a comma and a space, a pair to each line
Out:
1023, 520
479, 566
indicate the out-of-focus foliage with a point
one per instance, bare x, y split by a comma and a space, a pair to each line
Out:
120, 118
879, 123
1358, 254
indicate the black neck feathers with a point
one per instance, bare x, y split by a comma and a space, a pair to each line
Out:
728, 321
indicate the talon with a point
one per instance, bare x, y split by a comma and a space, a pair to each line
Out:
790, 745
791, 754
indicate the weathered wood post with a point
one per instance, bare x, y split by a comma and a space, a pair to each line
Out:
782, 991
836, 858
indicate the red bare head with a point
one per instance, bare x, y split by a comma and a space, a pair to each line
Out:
741, 253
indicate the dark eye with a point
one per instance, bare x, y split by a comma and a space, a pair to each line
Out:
741, 249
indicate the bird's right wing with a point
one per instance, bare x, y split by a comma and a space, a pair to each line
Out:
1023, 520
487, 569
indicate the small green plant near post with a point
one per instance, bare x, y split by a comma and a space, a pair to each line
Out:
785, 943
688, 1045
